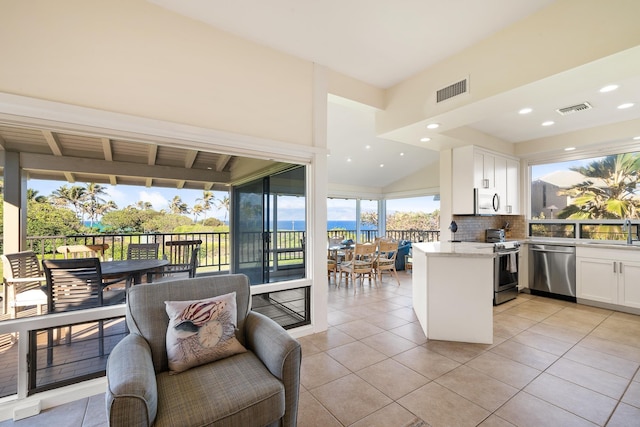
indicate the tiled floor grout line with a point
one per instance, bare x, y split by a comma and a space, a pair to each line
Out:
622, 396
556, 361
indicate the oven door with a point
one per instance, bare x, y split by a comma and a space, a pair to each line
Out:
506, 276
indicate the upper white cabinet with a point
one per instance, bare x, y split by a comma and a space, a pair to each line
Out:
477, 168
512, 199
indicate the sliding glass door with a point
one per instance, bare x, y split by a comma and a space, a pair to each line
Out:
269, 227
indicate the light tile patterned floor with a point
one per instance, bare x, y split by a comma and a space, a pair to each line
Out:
552, 363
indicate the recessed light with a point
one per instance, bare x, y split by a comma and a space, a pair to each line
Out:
381, 165
209, 168
425, 139
569, 148
401, 154
636, 138
548, 123
348, 159
367, 146
609, 88
433, 126
625, 105
525, 110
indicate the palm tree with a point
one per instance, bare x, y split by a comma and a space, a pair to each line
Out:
94, 200
225, 204
608, 191
32, 195
208, 198
197, 210
109, 206
177, 206
144, 205
70, 196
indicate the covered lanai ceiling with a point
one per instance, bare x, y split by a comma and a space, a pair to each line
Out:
74, 157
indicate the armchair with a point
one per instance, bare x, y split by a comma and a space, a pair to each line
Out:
255, 388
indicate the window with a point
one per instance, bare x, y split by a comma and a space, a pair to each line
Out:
416, 219
590, 189
589, 198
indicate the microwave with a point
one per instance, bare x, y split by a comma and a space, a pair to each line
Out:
486, 201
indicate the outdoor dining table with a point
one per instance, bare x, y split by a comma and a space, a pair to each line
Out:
131, 268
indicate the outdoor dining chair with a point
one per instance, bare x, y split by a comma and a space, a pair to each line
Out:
83, 251
23, 282
76, 284
183, 259
142, 251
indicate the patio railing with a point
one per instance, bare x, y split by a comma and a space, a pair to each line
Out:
215, 249
214, 256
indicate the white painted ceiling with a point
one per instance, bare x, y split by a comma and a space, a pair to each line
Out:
383, 42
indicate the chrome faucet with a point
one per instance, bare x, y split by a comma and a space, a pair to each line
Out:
627, 227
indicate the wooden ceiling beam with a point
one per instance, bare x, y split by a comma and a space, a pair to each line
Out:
47, 162
152, 154
3, 144
148, 182
106, 149
222, 162
54, 144
190, 158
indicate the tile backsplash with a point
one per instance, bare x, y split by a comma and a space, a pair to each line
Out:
472, 228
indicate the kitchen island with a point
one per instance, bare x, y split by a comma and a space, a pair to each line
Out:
453, 291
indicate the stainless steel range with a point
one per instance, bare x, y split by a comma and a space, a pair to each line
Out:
505, 271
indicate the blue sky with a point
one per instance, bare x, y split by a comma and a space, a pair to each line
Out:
290, 208
125, 195
541, 170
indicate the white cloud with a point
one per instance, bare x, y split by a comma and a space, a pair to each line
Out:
157, 200
120, 198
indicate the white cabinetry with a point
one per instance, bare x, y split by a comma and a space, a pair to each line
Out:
512, 195
610, 276
477, 168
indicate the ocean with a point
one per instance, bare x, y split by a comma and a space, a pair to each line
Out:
331, 225
297, 225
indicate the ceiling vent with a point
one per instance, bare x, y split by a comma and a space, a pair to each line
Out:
574, 109
450, 91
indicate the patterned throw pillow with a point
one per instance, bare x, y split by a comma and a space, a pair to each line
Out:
201, 331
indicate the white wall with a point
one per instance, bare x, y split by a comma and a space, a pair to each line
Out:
565, 35
132, 57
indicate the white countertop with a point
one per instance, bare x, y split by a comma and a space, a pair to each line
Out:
461, 249
604, 244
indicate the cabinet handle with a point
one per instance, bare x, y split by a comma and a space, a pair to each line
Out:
485, 183
620, 267
615, 269
508, 208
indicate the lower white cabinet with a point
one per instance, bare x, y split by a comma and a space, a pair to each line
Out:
630, 284
608, 275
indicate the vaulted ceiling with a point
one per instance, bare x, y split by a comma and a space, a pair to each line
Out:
379, 42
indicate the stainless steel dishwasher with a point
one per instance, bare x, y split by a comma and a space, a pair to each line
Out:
552, 270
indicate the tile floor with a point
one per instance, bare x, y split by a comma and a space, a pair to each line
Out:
553, 363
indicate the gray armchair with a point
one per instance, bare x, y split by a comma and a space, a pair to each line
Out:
256, 388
